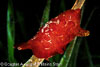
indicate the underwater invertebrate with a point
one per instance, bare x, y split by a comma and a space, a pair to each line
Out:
53, 37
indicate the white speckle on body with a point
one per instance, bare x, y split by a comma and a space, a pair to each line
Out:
34, 37
56, 17
51, 29
46, 30
49, 41
63, 14
47, 48
47, 34
42, 30
46, 25
70, 17
49, 22
61, 35
70, 20
58, 21
66, 24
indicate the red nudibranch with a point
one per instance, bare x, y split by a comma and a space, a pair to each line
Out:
54, 36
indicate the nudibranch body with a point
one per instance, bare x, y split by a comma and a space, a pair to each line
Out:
54, 36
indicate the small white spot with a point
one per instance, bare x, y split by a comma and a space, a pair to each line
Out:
66, 24
47, 48
63, 14
47, 34
47, 30
49, 41
51, 29
49, 22
58, 21
70, 20
56, 17
70, 17
19, 48
32, 39
61, 36
42, 30
46, 25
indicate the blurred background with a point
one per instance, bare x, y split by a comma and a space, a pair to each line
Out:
20, 20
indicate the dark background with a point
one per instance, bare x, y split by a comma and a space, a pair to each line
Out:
32, 11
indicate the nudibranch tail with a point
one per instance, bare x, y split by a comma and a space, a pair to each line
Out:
83, 33
23, 46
